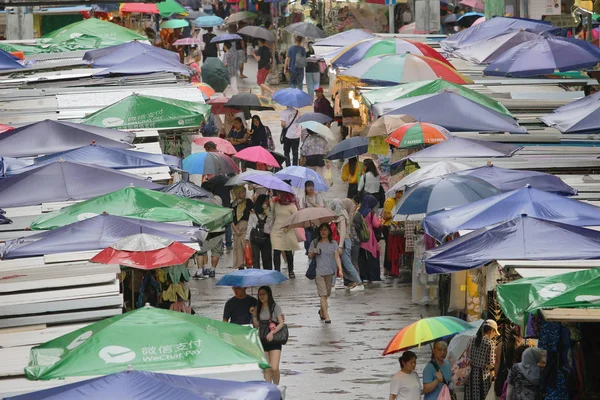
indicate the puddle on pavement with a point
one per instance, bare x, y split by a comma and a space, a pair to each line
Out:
330, 370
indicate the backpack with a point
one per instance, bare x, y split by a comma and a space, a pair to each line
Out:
300, 61
258, 235
361, 228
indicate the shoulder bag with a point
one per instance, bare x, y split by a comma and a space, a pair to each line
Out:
266, 327
446, 383
311, 272
284, 130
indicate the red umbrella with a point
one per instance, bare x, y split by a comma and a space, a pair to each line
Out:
144, 8
5, 128
429, 51
258, 154
218, 106
143, 251
204, 88
222, 145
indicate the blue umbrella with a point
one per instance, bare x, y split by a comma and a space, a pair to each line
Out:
544, 56
270, 182
349, 148
299, 175
228, 37
252, 277
292, 97
511, 179
315, 116
505, 206
207, 21
446, 191
209, 163
470, 14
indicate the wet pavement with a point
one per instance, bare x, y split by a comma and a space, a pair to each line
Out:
338, 361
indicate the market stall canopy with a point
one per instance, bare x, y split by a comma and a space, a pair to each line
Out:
543, 56
140, 112
521, 238
109, 32
139, 203
96, 233
155, 386
386, 124
421, 88
8, 61
11, 166
65, 181
488, 50
400, 68
372, 47
126, 341
345, 38
47, 137
146, 64
452, 111
579, 289
113, 55
457, 147
187, 190
581, 116
491, 28
5, 128
164, 8
434, 170
505, 206
509, 179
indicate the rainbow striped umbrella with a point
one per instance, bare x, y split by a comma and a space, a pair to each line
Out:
401, 68
417, 134
425, 331
378, 47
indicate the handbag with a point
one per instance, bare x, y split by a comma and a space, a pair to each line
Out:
248, 254
284, 130
280, 337
311, 272
300, 234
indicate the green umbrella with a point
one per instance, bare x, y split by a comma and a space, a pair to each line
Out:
430, 87
579, 289
174, 24
170, 7
94, 27
215, 74
143, 112
147, 339
138, 203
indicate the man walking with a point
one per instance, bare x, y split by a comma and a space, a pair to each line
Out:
238, 308
264, 57
295, 63
290, 134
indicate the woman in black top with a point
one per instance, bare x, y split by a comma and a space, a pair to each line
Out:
238, 136
313, 73
241, 213
210, 49
258, 133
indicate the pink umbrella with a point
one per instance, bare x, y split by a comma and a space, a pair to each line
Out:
476, 4
410, 29
218, 106
188, 42
478, 21
257, 154
222, 145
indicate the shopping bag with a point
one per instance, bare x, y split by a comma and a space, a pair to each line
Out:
248, 254
300, 235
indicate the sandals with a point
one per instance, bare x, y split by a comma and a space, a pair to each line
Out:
320, 316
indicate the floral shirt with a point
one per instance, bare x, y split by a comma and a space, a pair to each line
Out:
314, 145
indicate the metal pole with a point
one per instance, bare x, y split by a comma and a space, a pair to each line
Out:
391, 17
427, 17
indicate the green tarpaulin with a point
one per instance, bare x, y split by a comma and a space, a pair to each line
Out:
139, 203
144, 112
579, 289
148, 339
420, 88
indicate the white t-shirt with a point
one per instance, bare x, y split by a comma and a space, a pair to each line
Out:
406, 386
294, 131
369, 182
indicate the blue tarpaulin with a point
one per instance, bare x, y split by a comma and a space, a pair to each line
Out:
511, 179
505, 206
581, 116
452, 111
65, 181
8, 61
9, 165
145, 64
95, 233
143, 385
521, 238
113, 55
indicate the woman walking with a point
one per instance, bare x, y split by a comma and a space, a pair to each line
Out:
310, 199
482, 356
343, 226
351, 209
268, 313
325, 251
351, 173
524, 377
283, 240
369, 183
241, 213
258, 233
405, 383
368, 256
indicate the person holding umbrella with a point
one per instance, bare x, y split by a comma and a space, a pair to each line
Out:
258, 233
264, 57
313, 152
437, 372
368, 257
284, 240
290, 134
241, 213
230, 60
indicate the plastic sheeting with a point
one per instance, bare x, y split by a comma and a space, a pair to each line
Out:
510, 179
452, 111
113, 55
521, 238
506, 206
96, 233
186, 189
145, 64
435, 170
137, 385
65, 181
581, 116
46, 137
9, 165
484, 52
344, 39
8, 61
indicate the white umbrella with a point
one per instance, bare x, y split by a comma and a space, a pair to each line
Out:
459, 343
430, 171
320, 129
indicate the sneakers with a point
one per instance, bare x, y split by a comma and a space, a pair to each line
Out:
208, 272
198, 275
211, 274
358, 288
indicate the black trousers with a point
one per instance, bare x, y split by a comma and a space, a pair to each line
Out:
293, 145
289, 256
262, 251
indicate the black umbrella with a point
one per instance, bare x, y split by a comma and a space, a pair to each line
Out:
314, 116
215, 74
257, 32
186, 189
352, 147
306, 29
249, 101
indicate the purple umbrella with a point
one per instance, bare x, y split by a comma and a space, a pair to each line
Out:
228, 37
315, 116
270, 182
